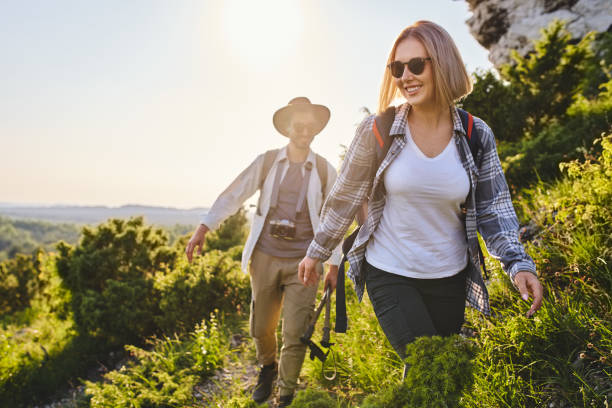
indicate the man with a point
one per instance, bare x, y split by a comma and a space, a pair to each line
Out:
293, 182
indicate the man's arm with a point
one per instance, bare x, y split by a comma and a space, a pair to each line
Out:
232, 198
228, 202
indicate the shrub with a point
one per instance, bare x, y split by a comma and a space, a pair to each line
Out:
310, 398
165, 375
440, 370
574, 217
232, 232
559, 141
31, 281
110, 275
189, 292
549, 105
19, 282
38, 360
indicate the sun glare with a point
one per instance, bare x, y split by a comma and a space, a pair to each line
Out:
262, 32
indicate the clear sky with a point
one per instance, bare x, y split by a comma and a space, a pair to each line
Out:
165, 102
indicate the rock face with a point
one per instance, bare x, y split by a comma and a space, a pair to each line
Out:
502, 25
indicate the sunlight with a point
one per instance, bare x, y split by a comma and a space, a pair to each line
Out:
262, 32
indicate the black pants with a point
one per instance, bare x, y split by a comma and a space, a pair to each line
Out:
408, 308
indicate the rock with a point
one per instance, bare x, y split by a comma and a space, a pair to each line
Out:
503, 25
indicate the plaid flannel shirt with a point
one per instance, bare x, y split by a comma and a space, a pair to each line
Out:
488, 206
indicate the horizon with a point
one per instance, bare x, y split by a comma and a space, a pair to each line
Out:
5, 204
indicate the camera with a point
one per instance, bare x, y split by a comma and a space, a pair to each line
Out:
282, 229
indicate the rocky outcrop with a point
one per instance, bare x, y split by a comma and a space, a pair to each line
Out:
503, 25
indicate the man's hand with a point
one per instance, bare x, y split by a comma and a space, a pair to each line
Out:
528, 284
331, 278
307, 271
196, 241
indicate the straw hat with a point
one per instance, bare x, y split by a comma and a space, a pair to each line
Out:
282, 117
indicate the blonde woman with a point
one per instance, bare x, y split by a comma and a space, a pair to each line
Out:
417, 252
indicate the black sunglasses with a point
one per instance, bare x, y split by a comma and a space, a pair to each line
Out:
303, 127
415, 65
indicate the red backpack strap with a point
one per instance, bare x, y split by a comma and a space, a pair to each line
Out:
381, 143
471, 132
381, 128
470, 125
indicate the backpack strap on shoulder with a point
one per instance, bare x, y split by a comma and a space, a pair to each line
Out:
269, 157
471, 132
381, 128
322, 170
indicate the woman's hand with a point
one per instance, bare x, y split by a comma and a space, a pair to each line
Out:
307, 271
528, 284
196, 241
331, 278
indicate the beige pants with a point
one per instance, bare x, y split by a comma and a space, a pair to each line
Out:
274, 281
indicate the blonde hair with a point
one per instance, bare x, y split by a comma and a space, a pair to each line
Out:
450, 77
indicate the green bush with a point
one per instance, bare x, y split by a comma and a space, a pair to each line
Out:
559, 141
574, 218
165, 375
190, 291
243, 402
232, 232
440, 371
32, 281
549, 105
110, 275
39, 358
19, 283
310, 398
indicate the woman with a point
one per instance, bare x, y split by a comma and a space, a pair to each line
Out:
417, 252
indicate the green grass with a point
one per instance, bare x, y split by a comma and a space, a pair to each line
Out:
40, 357
165, 375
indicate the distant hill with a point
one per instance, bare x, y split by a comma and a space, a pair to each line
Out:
95, 214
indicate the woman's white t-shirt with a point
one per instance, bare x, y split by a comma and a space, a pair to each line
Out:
421, 233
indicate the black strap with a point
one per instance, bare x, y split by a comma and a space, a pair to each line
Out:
341, 318
315, 351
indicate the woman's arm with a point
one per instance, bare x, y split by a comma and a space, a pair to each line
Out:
348, 192
498, 224
345, 198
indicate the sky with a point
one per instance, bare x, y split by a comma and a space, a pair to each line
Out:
163, 103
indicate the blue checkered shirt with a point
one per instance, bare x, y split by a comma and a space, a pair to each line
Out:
488, 206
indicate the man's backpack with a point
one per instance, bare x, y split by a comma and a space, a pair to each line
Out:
381, 128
